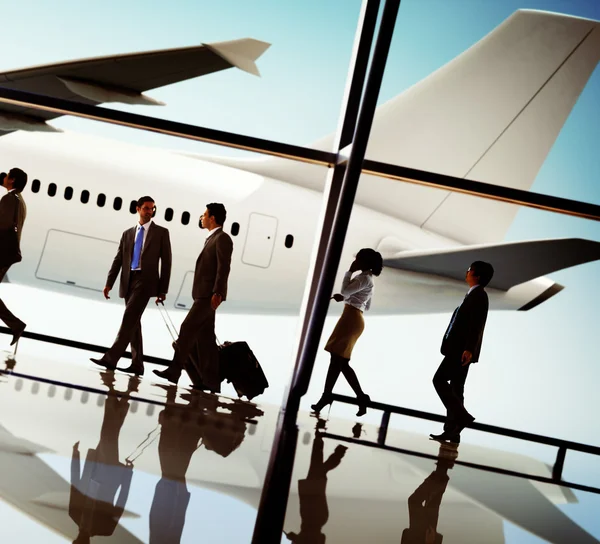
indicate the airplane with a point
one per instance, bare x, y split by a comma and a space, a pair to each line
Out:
366, 495
491, 114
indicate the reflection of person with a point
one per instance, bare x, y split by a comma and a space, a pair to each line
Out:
140, 250
208, 291
356, 294
12, 213
93, 491
314, 511
461, 347
184, 427
424, 503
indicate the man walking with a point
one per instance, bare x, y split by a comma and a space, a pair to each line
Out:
461, 347
12, 216
209, 291
140, 250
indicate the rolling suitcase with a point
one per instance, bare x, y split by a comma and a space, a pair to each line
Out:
240, 367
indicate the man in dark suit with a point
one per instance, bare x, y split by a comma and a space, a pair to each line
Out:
140, 250
12, 211
208, 291
461, 347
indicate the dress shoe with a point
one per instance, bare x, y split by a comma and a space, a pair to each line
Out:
17, 334
446, 436
103, 363
168, 374
363, 400
133, 369
323, 401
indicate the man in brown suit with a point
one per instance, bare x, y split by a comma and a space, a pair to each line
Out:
140, 250
12, 210
208, 291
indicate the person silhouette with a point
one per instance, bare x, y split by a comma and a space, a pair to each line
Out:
184, 428
356, 294
424, 503
461, 347
92, 503
314, 511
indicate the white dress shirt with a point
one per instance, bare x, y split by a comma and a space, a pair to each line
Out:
211, 232
358, 292
145, 227
469, 291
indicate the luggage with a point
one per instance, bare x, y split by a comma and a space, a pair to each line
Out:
239, 366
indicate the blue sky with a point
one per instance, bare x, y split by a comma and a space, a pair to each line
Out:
543, 372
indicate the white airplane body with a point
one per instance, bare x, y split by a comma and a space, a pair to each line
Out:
491, 114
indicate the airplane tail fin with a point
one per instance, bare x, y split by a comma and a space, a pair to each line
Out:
492, 114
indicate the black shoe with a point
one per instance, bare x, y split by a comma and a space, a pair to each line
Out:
168, 374
133, 369
363, 400
446, 436
323, 401
17, 334
100, 362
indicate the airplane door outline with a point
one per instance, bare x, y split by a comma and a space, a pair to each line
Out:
260, 240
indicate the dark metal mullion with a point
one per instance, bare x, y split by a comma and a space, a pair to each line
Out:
339, 195
502, 193
162, 126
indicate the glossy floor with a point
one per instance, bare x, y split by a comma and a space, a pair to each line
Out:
87, 454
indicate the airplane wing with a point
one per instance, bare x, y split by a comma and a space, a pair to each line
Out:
514, 262
120, 78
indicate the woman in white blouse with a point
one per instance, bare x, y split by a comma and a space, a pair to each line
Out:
356, 294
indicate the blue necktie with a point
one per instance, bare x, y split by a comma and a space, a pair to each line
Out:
137, 249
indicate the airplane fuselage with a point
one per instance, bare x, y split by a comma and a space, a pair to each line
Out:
79, 201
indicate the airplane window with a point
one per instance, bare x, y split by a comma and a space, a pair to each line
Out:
168, 214
68, 193
52, 189
85, 197
35, 186
101, 200
235, 229
133, 206
289, 241
117, 203
185, 218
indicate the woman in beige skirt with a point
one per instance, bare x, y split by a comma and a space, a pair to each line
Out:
356, 294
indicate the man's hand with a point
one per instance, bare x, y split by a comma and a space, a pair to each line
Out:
354, 266
215, 301
466, 357
338, 298
105, 292
160, 298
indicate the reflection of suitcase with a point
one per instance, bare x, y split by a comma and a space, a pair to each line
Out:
239, 366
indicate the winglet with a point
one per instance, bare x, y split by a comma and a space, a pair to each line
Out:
240, 53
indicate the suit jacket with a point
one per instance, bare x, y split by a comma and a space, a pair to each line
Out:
156, 247
212, 266
10, 201
465, 331
92, 503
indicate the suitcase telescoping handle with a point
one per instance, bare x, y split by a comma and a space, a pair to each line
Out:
169, 322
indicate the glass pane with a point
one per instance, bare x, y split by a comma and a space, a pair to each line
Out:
483, 91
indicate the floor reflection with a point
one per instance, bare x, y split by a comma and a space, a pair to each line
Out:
424, 503
92, 504
312, 491
183, 429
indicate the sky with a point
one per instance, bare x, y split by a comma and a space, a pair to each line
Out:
539, 369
